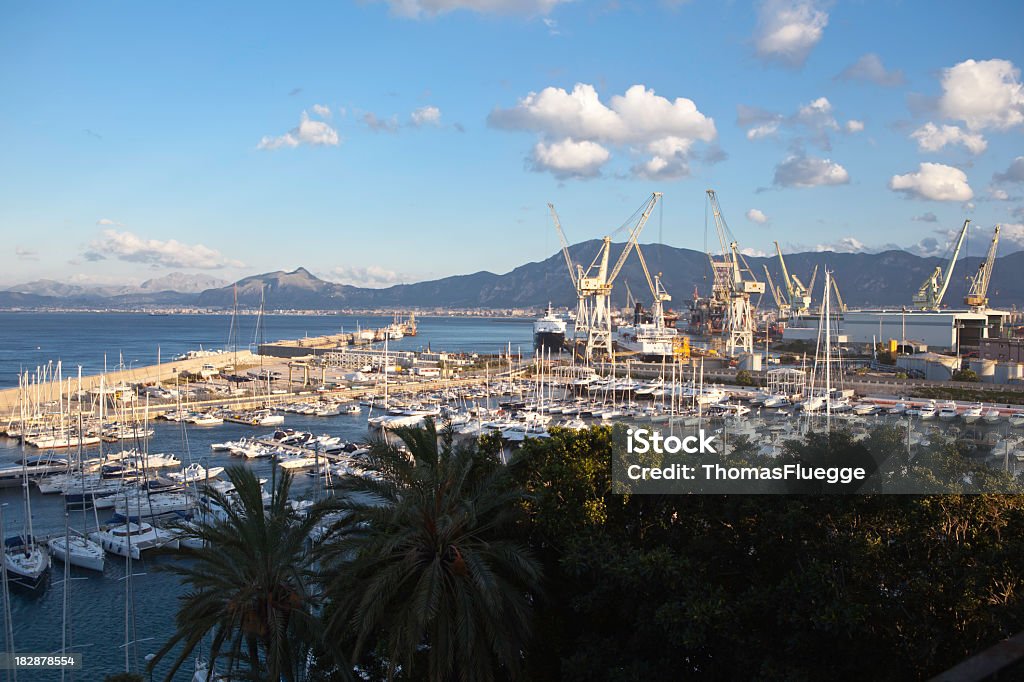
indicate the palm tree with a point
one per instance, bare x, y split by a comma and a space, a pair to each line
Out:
250, 584
420, 571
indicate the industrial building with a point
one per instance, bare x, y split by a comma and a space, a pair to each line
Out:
944, 330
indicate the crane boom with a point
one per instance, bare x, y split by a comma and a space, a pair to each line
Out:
776, 295
790, 294
565, 243
977, 295
929, 295
633, 236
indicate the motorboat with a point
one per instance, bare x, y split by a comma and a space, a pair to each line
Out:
973, 414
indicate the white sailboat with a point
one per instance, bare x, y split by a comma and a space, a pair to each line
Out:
78, 550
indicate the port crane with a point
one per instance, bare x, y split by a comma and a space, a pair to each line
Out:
929, 295
781, 303
798, 296
594, 284
977, 295
732, 284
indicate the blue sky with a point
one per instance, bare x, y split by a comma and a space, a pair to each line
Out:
377, 142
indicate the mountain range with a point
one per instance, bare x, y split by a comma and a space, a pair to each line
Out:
888, 278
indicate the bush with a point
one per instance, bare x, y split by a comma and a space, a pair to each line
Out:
744, 378
965, 375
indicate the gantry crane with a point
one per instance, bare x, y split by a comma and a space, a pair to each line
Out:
929, 295
732, 286
977, 295
594, 284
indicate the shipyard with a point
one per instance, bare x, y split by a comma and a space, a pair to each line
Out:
512, 341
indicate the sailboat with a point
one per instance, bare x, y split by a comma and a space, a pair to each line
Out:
26, 561
75, 548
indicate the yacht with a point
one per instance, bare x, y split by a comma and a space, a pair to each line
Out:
78, 550
133, 538
973, 414
27, 562
991, 416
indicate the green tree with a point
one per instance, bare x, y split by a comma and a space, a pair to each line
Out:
250, 584
744, 378
965, 375
425, 578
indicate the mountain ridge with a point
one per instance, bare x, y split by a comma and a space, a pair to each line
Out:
887, 278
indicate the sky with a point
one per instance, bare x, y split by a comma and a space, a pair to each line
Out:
391, 141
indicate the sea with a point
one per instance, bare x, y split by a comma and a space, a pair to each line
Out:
113, 622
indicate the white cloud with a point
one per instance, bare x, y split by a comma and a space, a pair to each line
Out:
763, 130
569, 158
372, 276
25, 254
983, 94
870, 68
934, 181
843, 245
787, 30
128, 246
927, 217
309, 132
1011, 237
807, 171
428, 115
753, 253
380, 125
755, 215
817, 114
639, 118
321, 110
854, 126
106, 222
998, 194
416, 9
932, 138
1013, 173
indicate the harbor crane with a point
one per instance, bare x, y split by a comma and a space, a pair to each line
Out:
977, 295
594, 284
798, 296
732, 285
929, 295
781, 303
576, 275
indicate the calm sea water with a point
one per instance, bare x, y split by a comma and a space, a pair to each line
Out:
96, 603
92, 340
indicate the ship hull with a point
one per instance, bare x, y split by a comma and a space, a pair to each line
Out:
553, 341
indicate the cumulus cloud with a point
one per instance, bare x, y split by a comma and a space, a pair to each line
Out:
25, 254
128, 246
417, 9
371, 276
639, 119
1013, 173
321, 110
569, 158
815, 120
808, 171
755, 215
843, 245
983, 94
869, 68
934, 181
932, 138
308, 132
927, 217
428, 115
998, 194
787, 30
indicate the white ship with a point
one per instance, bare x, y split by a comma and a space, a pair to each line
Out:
549, 332
648, 339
